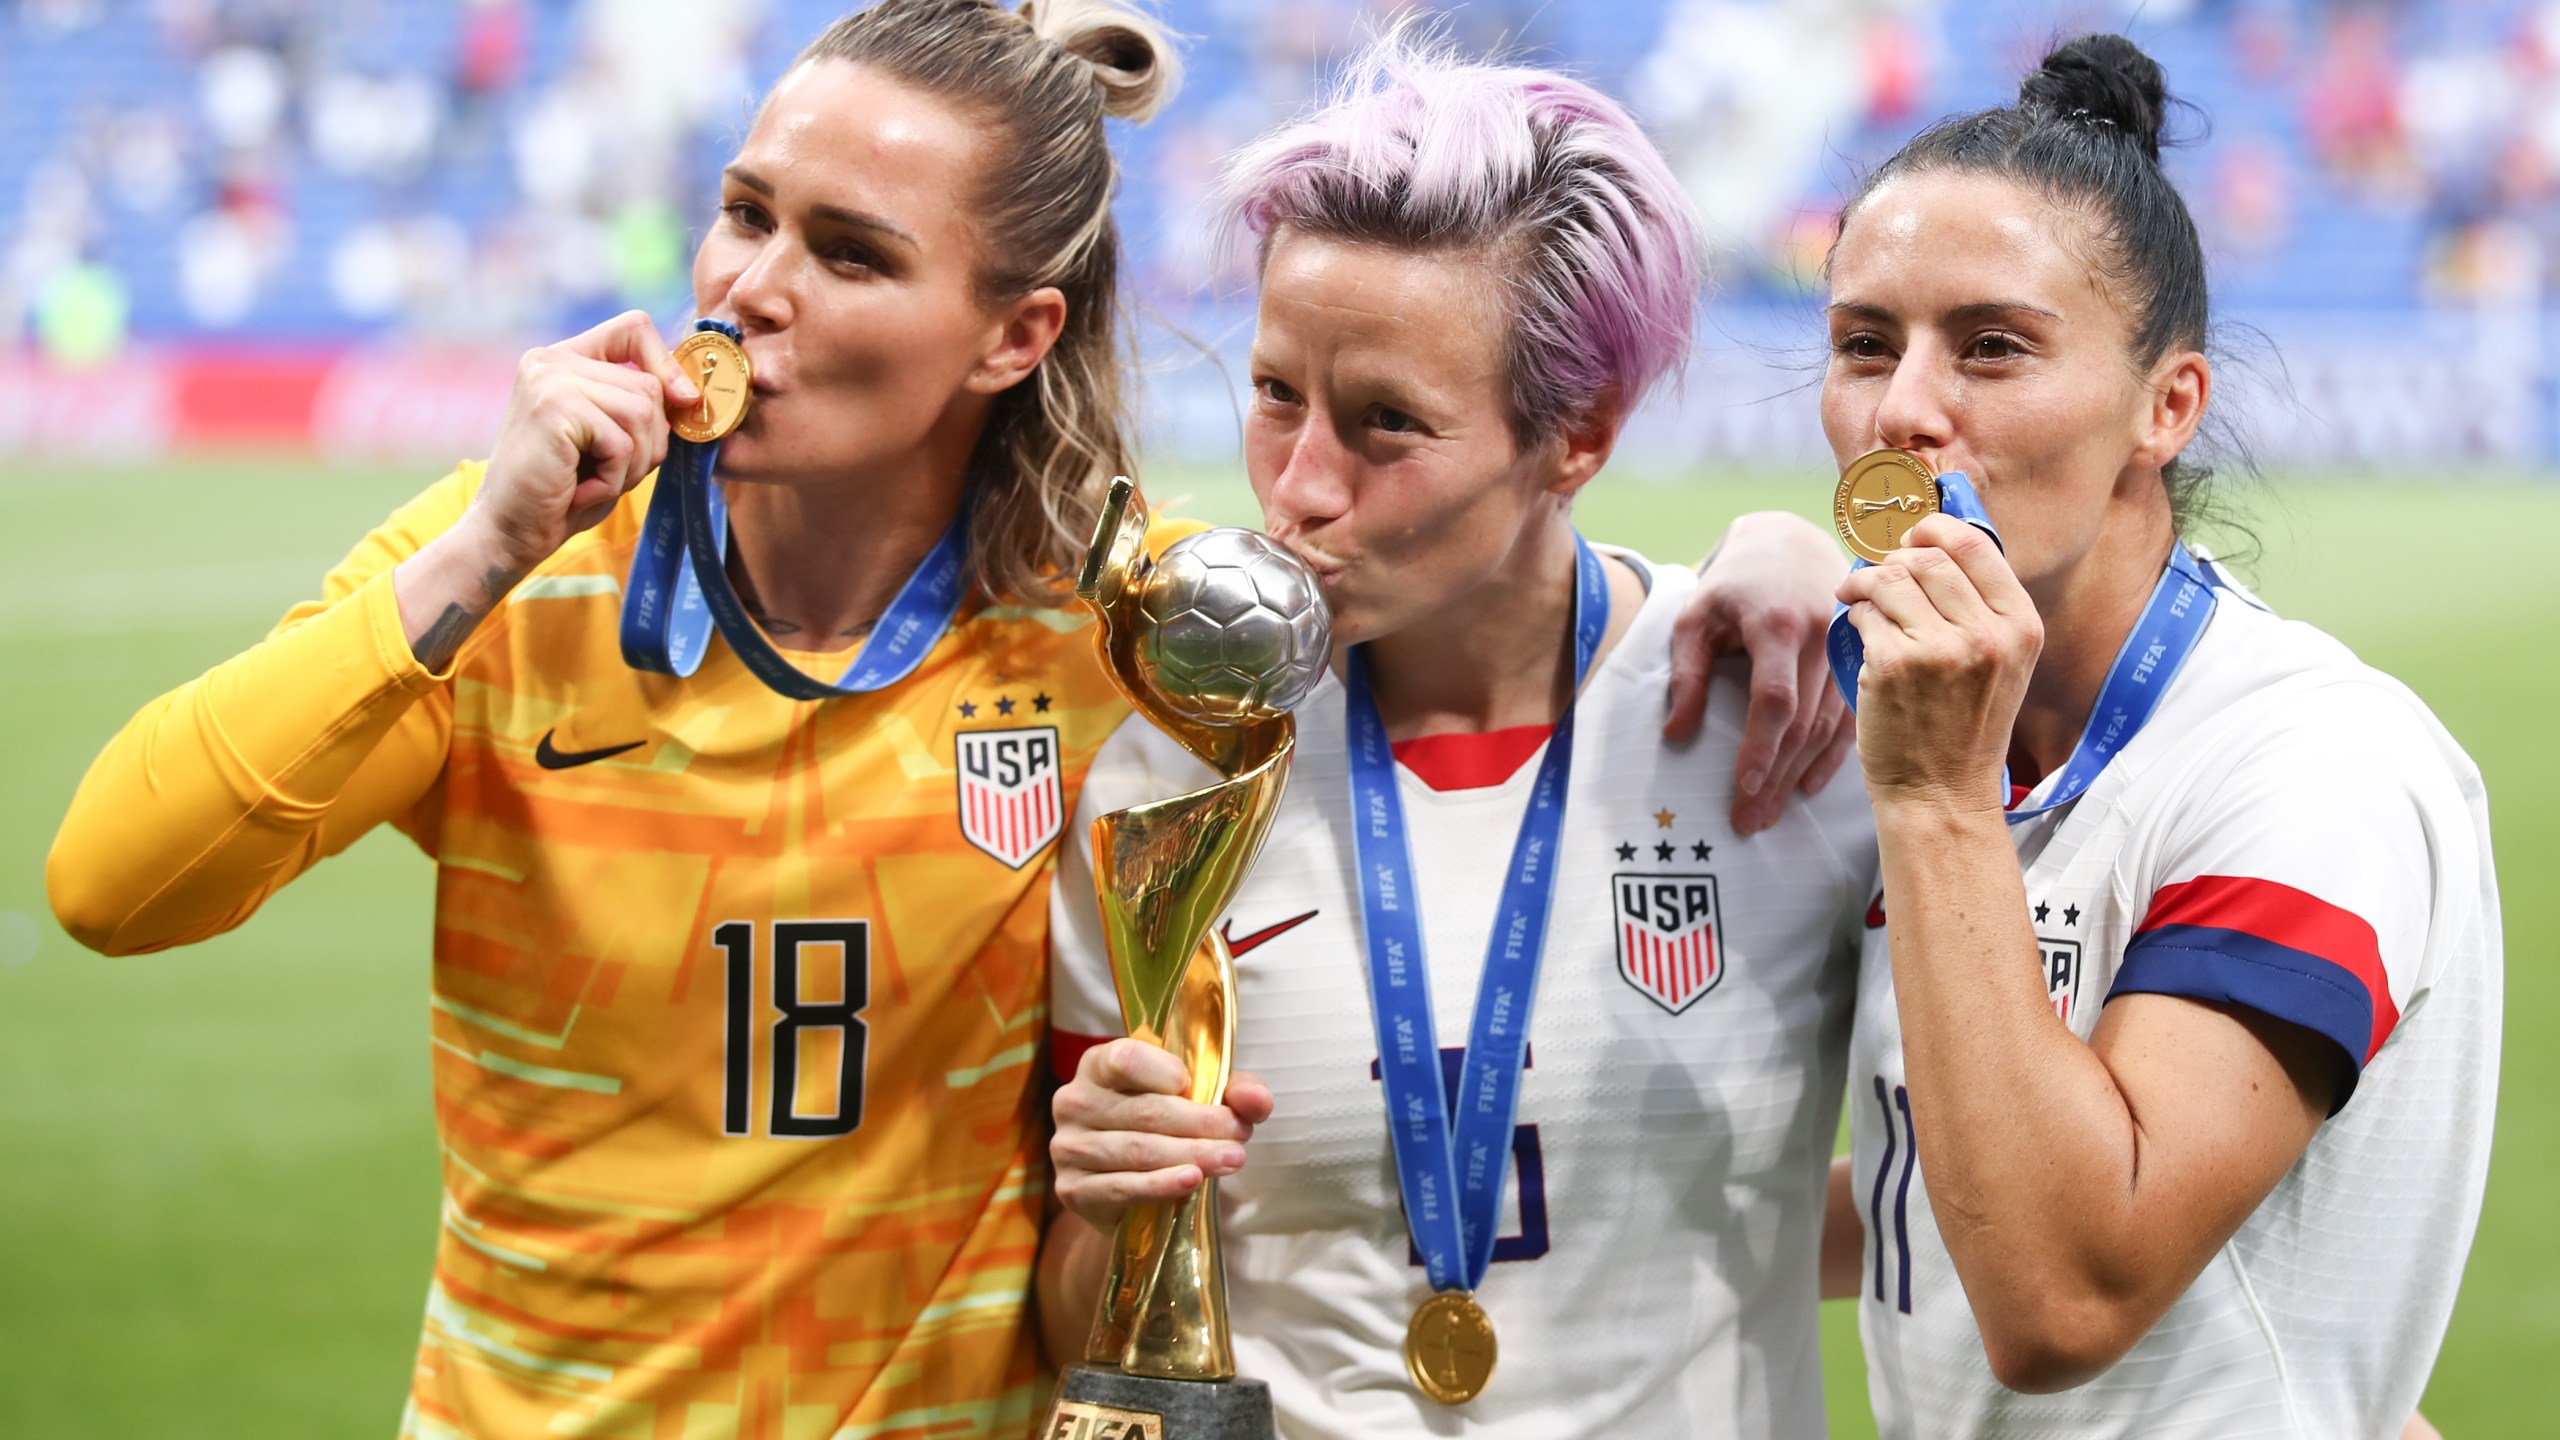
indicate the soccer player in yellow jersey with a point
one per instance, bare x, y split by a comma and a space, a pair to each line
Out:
737, 999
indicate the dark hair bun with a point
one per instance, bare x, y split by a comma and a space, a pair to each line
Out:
2102, 80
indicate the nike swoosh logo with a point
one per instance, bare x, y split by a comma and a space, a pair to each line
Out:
1259, 937
551, 757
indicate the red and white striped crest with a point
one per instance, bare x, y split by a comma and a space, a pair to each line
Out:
1670, 936
2061, 975
1011, 805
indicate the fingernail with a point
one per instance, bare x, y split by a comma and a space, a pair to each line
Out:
1753, 779
1230, 1159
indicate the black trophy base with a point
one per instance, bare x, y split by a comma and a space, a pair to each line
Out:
1095, 1404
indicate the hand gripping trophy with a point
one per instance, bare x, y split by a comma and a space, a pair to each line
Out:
1213, 643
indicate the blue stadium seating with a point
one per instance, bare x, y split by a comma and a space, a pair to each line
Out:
2341, 252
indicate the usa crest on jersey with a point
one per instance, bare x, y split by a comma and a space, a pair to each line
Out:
1011, 805
2061, 975
1670, 936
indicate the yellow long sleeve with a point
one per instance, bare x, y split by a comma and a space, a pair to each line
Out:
223, 790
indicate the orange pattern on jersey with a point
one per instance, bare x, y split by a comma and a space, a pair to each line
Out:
617, 1260
736, 1032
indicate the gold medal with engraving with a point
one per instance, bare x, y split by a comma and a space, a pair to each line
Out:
1882, 495
1449, 1349
717, 365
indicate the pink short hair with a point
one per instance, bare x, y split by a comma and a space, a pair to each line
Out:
1553, 181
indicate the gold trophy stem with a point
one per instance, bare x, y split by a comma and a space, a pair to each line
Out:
1164, 1307
1163, 872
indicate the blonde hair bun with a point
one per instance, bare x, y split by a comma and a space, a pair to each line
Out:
1131, 54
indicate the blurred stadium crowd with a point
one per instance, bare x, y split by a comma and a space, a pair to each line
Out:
229, 184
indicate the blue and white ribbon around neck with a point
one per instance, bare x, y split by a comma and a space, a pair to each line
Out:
2172, 623
679, 589
1452, 1176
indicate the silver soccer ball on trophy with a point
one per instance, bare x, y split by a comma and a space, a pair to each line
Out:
1235, 627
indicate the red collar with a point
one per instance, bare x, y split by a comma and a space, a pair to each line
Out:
1471, 762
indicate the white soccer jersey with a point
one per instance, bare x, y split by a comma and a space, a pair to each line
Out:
2295, 833
1655, 1274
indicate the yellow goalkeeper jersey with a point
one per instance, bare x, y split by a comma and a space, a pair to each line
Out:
737, 1000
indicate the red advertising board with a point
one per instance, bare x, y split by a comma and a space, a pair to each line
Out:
410, 402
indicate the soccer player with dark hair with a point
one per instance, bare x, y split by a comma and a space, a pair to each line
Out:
2177, 1042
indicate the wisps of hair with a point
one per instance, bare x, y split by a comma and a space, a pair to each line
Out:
1569, 202
1044, 76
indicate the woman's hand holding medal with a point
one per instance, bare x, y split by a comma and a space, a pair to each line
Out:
1951, 641
586, 423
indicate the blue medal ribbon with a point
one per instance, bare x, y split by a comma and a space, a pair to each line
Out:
1846, 648
1453, 1191
2180, 607
679, 588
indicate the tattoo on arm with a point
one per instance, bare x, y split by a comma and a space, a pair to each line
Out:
442, 641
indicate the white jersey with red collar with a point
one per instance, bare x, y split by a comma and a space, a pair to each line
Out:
2295, 833
1655, 1272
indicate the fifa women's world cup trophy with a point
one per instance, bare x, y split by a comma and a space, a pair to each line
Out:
1214, 642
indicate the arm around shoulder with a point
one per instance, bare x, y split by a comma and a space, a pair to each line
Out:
1765, 591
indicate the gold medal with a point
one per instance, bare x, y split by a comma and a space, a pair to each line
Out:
718, 366
1882, 495
1449, 1349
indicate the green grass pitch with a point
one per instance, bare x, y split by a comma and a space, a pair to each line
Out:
218, 1168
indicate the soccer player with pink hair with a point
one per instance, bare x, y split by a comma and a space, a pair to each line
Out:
1497, 905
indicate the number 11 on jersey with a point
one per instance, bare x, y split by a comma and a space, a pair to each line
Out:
799, 1028
1906, 1144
